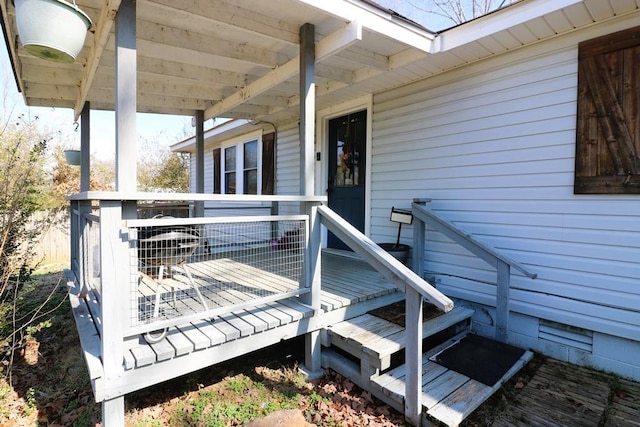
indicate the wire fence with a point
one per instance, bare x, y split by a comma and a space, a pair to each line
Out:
216, 265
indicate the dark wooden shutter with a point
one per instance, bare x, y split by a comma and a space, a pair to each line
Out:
217, 171
608, 127
268, 163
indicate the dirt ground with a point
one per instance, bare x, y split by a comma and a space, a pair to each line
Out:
48, 385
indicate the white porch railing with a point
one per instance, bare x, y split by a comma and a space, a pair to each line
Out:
116, 263
188, 269
424, 216
415, 289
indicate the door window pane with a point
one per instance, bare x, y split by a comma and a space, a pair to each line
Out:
349, 147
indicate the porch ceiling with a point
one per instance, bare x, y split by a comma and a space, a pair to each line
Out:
239, 58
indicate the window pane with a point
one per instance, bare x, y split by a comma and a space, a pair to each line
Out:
230, 183
251, 155
251, 181
230, 159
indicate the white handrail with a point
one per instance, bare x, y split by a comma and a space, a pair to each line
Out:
392, 269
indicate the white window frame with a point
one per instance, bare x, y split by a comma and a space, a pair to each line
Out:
239, 144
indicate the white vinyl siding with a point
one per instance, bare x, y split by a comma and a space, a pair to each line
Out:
288, 165
493, 146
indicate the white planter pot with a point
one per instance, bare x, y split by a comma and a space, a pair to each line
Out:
51, 29
72, 157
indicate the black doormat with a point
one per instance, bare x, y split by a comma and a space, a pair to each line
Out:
479, 358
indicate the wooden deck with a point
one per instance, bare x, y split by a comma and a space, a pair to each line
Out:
349, 288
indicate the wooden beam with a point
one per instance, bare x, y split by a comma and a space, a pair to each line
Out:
226, 15
198, 44
330, 45
100, 37
9, 39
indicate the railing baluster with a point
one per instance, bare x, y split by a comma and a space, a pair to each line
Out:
413, 356
502, 301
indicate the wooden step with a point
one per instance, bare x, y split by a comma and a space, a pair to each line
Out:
447, 396
376, 340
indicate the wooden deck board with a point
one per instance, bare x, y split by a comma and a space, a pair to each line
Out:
385, 345
163, 350
179, 341
458, 405
194, 336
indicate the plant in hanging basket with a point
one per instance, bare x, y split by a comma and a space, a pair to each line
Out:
51, 29
72, 157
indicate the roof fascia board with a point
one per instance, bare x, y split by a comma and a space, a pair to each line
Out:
493, 23
100, 38
330, 45
377, 21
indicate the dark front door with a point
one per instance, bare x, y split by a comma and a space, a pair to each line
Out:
347, 144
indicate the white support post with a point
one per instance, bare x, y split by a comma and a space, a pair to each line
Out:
413, 356
307, 169
199, 205
126, 99
502, 301
84, 250
113, 412
114, 281
313, 280
307, 108
74, 240
418, 242
85, 148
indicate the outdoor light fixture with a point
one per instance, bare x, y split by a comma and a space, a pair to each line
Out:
51, 29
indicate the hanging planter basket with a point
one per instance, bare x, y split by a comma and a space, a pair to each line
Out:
51, 29
72, 157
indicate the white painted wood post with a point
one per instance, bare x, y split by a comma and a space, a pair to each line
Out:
418, 247
313, 280
126, 99
74, 237
502, 301
84, 250
413, 356
307, 184
114, 280
198, 209
85, 148
307, 108
113, 412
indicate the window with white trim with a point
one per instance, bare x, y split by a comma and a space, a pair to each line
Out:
241, 168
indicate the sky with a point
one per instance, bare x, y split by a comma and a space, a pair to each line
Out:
161, 128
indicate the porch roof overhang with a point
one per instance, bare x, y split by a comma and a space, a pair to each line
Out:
240, 58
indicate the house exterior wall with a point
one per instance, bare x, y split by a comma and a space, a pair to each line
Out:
286, 177
493, 146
